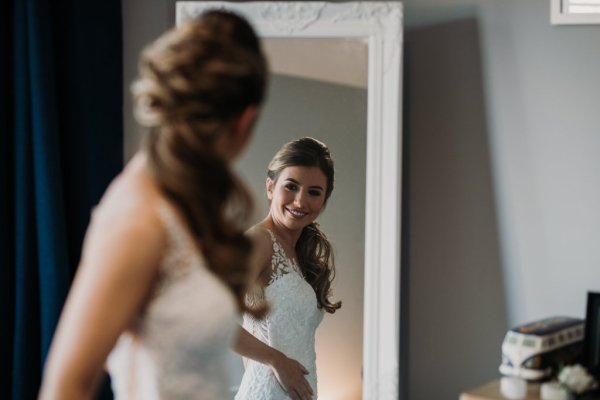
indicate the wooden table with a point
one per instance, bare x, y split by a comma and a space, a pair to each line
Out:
491, 391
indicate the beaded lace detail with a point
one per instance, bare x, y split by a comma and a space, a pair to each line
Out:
180, 346
281, 263
289, 326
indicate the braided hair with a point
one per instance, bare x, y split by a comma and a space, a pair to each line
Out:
193, 82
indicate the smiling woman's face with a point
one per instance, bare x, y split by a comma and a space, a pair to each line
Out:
297, 197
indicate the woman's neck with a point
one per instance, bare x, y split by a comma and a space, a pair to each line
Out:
289, 237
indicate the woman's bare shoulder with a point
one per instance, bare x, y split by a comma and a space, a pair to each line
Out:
259, 231
127, 217
132, 198
262, 250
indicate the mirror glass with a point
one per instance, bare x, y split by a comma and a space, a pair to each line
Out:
318, 88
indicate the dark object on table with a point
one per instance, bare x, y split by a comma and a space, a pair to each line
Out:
591, 348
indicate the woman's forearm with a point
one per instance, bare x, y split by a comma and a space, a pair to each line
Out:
63, 394
248, 346
288, 372
65, 386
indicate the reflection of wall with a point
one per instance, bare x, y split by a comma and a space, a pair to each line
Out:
534, 139
336, 115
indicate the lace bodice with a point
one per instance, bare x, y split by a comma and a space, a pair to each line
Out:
180, 345
289, 327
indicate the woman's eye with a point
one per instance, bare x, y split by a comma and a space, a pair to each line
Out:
290, 186
315, 193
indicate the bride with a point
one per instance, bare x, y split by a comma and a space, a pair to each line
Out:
295, 278
165, 260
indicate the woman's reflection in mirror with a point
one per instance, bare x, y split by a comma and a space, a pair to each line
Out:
294, 277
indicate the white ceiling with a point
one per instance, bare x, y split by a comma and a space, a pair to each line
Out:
338, 61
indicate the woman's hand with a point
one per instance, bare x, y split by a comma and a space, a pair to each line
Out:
291, 376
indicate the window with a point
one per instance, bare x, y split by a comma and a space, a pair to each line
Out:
574, 12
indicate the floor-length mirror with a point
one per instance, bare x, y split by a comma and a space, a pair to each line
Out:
336, 77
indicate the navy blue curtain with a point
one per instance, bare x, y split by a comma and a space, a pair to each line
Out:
60, 145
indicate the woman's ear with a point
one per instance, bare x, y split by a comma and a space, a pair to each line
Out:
269, 185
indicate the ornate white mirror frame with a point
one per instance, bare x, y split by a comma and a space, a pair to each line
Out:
380, 25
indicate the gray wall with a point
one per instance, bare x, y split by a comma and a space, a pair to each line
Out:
504, 184
457, 312
544, 102
143, 21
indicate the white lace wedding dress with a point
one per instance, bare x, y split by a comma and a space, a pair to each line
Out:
182, 338
289, 327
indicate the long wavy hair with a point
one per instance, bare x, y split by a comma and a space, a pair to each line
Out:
313, 249
193, 82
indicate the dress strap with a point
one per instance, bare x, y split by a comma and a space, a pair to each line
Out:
278, 248
281, 264
173, 225
180, 245
168, 219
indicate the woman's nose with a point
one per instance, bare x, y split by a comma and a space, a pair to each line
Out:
299, 198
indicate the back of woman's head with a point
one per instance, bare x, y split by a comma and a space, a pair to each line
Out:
202, 73
304, 152
313, 249
194, 82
